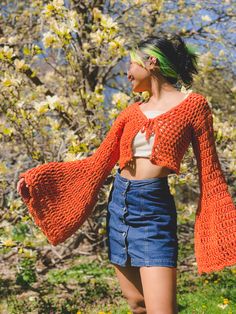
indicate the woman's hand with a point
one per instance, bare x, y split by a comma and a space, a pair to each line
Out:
22, 188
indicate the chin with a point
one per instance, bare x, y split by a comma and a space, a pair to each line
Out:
136, 90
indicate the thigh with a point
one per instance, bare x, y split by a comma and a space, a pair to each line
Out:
159, 288
130, 283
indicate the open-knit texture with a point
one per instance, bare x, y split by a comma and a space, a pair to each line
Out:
63, 194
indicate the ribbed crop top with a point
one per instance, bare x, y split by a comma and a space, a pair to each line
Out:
141, 146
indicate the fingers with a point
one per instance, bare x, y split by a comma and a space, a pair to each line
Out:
18, 187
21, 185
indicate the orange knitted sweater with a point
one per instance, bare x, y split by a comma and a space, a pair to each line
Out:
63, 194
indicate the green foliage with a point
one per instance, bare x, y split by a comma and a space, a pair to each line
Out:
92, 287
20, 231
27, 273
209, 293
82, 273
206, 300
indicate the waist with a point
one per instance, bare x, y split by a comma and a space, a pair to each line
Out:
142, 168
155, 182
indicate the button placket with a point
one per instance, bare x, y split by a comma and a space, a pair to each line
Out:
122, 219
124, 233
124, 193
127, 185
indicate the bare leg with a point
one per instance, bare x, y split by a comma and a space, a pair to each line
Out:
131, 286
159, 287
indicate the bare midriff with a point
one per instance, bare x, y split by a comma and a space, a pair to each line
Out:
140, 168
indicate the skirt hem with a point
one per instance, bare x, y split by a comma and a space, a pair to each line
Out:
138, 263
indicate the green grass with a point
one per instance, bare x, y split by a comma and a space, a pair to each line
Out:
92, 287
209, 294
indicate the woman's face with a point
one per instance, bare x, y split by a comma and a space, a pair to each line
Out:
139, 77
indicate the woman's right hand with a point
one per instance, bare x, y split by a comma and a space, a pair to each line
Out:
22, 188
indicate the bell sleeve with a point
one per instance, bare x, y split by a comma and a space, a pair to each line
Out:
63, 194
215, 220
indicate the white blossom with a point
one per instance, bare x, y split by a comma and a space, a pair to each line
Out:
58, 3
206, 18
49, 39
53, 101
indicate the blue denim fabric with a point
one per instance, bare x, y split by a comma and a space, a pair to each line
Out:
141, 223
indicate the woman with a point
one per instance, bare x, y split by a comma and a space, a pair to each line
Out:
141, 216
150, 288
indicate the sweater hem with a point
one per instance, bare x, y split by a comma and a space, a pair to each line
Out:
212, 268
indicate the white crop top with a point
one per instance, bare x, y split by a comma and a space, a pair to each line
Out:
141, 146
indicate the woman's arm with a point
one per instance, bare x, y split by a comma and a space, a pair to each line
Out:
63, 194
215, 224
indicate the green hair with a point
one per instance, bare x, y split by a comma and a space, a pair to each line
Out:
166, 67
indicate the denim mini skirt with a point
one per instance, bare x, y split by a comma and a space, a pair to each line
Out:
141, 223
